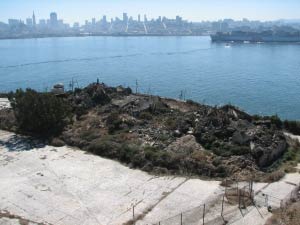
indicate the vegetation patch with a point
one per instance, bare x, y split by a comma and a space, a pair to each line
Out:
40, 114
156, 134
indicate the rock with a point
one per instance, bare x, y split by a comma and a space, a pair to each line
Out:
241, 138
185, 145
56, 142
267, 148
177, 133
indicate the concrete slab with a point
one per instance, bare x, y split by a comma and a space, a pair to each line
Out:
65, 186
4, 103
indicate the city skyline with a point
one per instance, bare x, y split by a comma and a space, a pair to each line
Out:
192, 10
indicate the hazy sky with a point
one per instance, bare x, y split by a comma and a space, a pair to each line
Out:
193, 10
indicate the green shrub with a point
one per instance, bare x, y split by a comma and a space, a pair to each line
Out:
105, 147
113, 122
217, 161
90, 135
108, 147
192, 102
257, 117
41, 114
239, 150
292, 126
127, 152
170, 123
276, 121
145, 116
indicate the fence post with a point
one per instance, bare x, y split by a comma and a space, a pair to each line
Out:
133, 212
181, 219
266, 201
225, 222
203, 213
244, 194
222, 206
239, 196
251, 191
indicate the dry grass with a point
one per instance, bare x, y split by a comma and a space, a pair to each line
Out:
287, 216
274, 176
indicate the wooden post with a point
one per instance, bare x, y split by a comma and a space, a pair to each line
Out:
181, 219
203, 213
267, 201
251, 190
226, 187
133, 212
222, 206
239, 195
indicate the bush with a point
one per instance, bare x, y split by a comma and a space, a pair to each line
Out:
276, 121
159, 158
292, 126
240, 150
170, 123
191, 102
105, 147
7, 120
113, 122
108, 147
127, 153
41, 114
145, 116
275, 176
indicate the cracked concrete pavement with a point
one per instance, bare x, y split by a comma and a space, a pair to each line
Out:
66, 186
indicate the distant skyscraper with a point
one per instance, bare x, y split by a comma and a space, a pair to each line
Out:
76, 25
42, 23
125, 18
139, 18
104, 20
29, 22
13, 22
33, 20
53, 19
145, 18
93, 21
178, 19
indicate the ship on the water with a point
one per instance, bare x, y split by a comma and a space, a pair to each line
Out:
251, 36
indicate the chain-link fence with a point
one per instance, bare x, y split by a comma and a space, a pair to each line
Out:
192, 216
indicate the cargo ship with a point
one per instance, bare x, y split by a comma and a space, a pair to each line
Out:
265, 36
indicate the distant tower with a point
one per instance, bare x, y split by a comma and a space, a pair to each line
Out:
104, 19
125, 17
139, 18
53, 19
33, 20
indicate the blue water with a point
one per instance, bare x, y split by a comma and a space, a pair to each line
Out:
259, 78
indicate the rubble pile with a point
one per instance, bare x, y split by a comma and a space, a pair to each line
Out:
172, 136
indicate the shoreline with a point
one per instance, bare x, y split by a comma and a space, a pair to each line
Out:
102, 35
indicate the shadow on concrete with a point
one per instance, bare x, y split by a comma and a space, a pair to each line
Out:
19, 143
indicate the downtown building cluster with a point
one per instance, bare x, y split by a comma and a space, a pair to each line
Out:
126, 26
